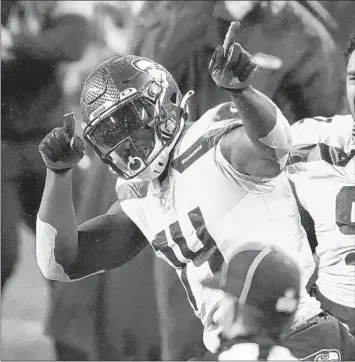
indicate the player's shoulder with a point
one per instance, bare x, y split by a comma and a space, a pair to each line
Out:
321, 139
215, 121
334, 130
203, 135
224, 112
131, 190
320, 120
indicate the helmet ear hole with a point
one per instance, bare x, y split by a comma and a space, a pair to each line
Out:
173, 98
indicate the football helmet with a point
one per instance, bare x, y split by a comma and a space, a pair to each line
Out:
132, 115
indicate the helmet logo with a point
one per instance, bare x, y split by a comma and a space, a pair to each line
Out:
144, 65
153, 69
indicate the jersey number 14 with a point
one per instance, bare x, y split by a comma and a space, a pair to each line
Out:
209, 252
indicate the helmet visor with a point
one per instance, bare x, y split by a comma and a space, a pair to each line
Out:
131, 135
114, 128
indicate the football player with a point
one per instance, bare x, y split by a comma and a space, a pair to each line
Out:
322, 169
192, 191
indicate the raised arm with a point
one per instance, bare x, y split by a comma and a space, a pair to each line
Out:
265, 139
66, 251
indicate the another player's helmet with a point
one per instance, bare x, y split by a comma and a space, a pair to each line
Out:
131, 113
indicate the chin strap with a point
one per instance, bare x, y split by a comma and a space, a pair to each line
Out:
163, 158
184, 106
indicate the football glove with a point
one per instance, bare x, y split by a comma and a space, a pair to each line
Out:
231, 67
61, 149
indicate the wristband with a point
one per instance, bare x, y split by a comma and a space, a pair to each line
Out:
45, 243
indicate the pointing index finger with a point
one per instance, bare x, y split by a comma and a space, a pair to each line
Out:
231, 35
69, 124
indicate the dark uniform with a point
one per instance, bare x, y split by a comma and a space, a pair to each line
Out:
333, 335
31, 105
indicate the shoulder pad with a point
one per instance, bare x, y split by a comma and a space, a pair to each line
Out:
225, 112
202, 145
132, 190
322, 138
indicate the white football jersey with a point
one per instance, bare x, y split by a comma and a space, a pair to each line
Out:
205, 208
323, 171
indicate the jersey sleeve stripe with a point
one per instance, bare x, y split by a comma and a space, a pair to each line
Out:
317, 152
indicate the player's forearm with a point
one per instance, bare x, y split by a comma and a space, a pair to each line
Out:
265, 125
56, 234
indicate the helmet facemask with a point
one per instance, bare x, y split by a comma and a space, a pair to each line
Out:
134, 134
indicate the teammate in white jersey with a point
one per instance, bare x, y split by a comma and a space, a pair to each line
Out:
192, 192
323, 172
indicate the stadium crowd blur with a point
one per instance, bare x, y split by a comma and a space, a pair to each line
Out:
140, 311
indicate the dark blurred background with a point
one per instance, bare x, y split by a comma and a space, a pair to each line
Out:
139, 311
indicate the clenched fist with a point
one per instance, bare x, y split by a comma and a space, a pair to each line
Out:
62, 149
231, 67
